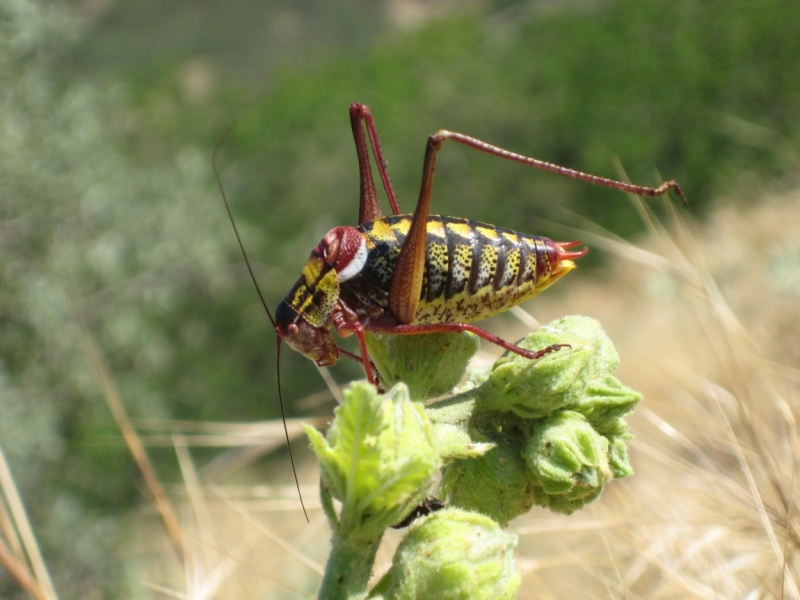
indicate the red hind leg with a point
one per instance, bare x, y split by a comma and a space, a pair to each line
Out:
460, 327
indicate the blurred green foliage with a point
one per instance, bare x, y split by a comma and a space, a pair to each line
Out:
108, 207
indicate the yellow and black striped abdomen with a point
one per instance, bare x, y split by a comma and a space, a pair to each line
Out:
472, 270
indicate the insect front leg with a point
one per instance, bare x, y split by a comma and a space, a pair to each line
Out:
347, 322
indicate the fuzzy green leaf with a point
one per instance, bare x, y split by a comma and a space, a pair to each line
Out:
605, 400
453, 438
378, 459
496, 484
618, 450
330, 466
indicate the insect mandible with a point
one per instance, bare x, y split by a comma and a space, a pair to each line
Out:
414, 274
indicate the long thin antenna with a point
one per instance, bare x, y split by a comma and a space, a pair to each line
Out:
286, 429
230, 128
266, 309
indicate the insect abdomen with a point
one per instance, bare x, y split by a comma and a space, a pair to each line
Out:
472, 270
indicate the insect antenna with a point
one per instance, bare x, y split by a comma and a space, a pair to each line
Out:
285, 428
263, 303
230, 128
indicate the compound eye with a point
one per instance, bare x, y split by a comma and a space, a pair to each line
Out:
292, 329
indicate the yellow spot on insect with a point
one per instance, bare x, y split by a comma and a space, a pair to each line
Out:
403, 225
319, 304
300, 293
511, 237
562, 268
329, 284
313, 269
461, 229
436, 228
382, 231
303, 308
487, 232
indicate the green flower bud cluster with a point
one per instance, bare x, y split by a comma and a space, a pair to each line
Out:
557, 424
549, 432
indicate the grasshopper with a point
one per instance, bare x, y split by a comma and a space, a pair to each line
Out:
410, 274
421, 273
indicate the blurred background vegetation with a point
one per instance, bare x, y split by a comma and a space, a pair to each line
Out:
111, 225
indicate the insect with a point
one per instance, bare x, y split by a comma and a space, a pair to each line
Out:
428, 507
421, 273
408, 274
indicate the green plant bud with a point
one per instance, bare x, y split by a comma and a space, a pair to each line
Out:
453, 555
568, 461
453, 438
535, 388
618, 449
475, 377
618, 428
496, 484
454, 442
604, 401
430, 365
618, 458
605, 358
378, 458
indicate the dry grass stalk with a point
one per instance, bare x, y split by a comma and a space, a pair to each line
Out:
18, 546
129, 434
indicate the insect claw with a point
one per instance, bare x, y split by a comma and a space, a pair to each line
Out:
540, 353
675, 188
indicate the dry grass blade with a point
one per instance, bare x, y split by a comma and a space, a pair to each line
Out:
270, 534
19, 572
163, 590
331, 383
267, 435
197, 564
246, 442
9, 532
524, 318
134, 444
39, 586
235, 559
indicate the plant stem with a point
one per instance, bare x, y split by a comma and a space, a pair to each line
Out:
349, 568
